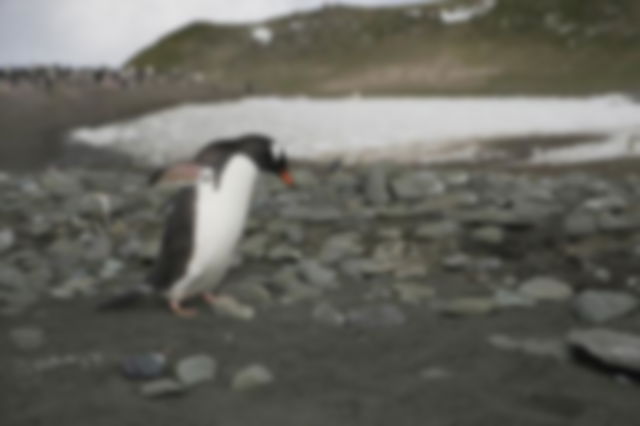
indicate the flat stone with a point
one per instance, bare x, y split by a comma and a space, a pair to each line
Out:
284, 252
580, 224
546, 289
416, 185
435, 373
488, 235
255, 246
196, 369
340, 247
505, 298
7, 239
252, 377
467, 306
144, 366
75, 286
316, 274
376, 316
613, 348
438, 231
232, 308
546, 347
599, 306
376, 187
413, 293
326, 313
456, 261
162, 388
27, 338
111, 268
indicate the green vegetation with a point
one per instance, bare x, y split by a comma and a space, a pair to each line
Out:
521, 46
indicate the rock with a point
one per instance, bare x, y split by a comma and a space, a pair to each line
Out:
81, 285
546, 289
553, 348
359, 268
512, 299
580, 223
410, 269
376, 316
491, 235
438, 231
27, 338
612, 348
230, 307
467, 306
61, 184
417, 185
340, 247
599, 306
196, 369
162, 388
605, 203
316, 274
111, 268
251, 377
456, 261
284, 252
413, 293
7, 239
16, 291
255, 246
326, 313
376, 186
144, 366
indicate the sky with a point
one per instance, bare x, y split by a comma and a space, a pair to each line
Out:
108, 32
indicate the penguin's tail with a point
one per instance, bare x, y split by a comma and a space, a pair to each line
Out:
126, 299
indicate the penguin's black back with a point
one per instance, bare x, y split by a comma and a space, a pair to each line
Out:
177, 241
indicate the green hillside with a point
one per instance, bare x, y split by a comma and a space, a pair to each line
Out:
519, 46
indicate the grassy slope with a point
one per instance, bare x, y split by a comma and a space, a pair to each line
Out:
570, 46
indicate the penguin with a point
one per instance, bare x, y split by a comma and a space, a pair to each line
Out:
206, 219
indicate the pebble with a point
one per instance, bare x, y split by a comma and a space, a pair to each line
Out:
144, 366
196, 369
467, 306
80, 285
376, 316
376, 186
435, 373
162, 388
546, 289
548, 347
27, 338
488, 235
232, 308
340, 247
326, 313
456, 261
580, 224
252, 377
314, 273
413, 293
7, 240
505, 298
599, 306
438, 231
613, 348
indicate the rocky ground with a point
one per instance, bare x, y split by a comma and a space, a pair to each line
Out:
370, 295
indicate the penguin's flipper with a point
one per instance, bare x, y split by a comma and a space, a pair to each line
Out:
126, 299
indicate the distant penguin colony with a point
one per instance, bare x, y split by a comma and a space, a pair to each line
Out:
206, 219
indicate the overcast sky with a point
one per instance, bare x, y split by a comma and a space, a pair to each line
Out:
107, 32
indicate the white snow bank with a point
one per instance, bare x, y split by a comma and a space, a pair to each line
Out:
462, 14
353, 128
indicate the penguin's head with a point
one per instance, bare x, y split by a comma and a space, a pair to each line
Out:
262, 150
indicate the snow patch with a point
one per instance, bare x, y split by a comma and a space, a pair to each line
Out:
463, 14
357, 129
263, 35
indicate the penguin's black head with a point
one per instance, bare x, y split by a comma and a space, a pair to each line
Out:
261, 149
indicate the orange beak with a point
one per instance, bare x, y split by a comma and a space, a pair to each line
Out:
286, 177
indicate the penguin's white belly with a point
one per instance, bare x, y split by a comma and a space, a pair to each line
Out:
220, 215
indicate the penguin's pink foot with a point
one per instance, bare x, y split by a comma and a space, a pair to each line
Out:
210, 298
180, 311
